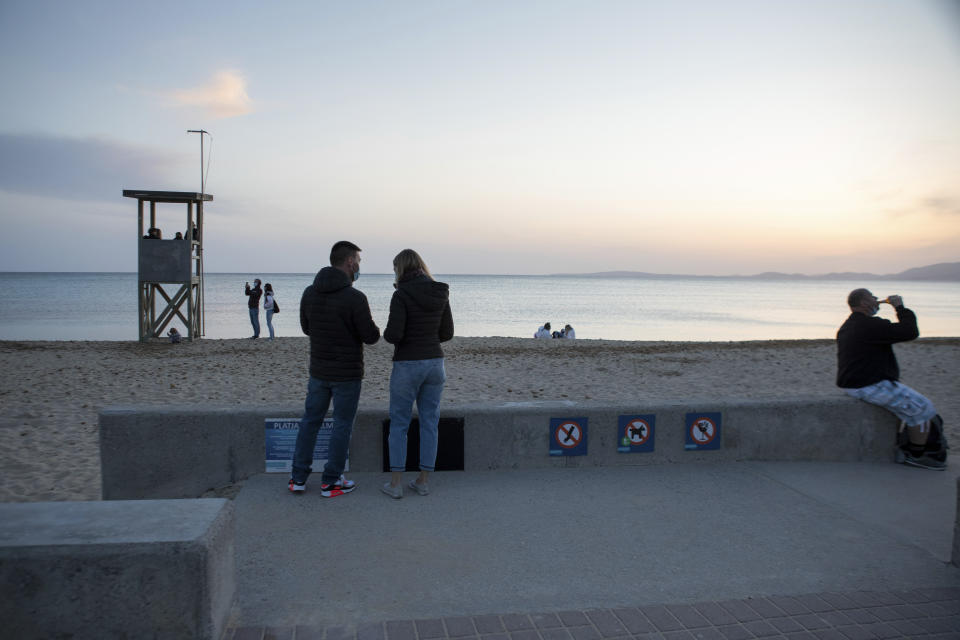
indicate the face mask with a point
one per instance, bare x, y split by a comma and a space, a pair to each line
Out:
356, 274
872, 311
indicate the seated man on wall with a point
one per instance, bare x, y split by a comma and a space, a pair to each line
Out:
868, 370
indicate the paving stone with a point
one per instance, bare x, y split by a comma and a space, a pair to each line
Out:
313, 632
458, 627
677, 635
372, 631
912, 596
765, 608
739, 610
517, 621
606, 623
761, 628
856, 632
688, 616
932, 609
882, 630
812, 621
800, 635
546, 620
278, 633
488, 624
496, 636
401, 630
735, 632
838, 600
786, 625
333, 633
935, 625
861, 616
248, 633
432, 628
573, 618
634, 621
555, 634
864, 598
828, 634
791, 606
888, 598
525, 634
707, 633
584, 633
815, 603
714, 613
836, 618
661, 618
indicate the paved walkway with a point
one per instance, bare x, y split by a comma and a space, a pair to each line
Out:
741, 550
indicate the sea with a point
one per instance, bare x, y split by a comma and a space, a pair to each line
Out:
103, 306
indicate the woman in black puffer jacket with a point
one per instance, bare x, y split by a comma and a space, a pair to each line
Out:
420, 319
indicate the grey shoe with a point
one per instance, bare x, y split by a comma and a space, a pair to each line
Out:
393, 492
421, 489
924, 462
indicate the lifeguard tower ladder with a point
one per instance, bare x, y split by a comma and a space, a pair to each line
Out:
170, 261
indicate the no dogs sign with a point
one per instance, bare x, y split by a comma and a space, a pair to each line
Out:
635, 433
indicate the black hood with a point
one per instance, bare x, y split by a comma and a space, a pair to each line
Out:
426, 293
330, 279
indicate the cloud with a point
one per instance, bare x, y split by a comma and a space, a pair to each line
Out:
224, 96
945, 206
939, 205
81, 168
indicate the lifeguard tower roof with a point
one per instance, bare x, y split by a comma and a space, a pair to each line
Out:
167, 196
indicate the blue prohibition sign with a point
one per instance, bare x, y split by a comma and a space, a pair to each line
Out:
703, 431
568, 437
635, 433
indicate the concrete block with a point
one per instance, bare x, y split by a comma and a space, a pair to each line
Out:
181, 453
955, 556
121, 569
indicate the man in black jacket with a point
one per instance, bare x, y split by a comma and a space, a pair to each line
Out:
867, 369
337, 318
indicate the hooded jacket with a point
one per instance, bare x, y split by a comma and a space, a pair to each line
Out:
865, 351
337, 318
420, 318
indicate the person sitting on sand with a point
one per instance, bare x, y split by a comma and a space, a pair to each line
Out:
867, 369
569, 333
174, 335
544, 331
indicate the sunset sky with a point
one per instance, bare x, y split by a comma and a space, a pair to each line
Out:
492, 136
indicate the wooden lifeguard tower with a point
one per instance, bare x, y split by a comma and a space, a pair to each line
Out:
170, 261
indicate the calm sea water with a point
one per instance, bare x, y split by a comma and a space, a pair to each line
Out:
103, 306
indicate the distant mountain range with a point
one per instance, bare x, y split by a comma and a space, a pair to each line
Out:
942, 272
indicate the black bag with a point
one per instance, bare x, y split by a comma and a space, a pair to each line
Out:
276, 307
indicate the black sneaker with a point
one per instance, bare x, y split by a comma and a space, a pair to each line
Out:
923, 461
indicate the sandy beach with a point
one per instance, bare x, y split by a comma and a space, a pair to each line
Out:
52, 391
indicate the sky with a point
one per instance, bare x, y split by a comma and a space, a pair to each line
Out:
492, 136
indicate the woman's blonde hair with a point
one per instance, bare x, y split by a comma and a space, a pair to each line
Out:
409, 261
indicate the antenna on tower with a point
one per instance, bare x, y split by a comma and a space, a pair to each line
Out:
203, 176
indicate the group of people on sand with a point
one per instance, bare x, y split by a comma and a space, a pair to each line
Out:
337, 318
567, 333
270, 306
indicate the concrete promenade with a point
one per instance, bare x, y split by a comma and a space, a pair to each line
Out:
728, 550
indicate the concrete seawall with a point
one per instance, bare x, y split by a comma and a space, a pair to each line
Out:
181, 453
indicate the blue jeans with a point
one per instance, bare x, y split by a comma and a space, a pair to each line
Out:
270, 322
345, 396
255, 321
420, 381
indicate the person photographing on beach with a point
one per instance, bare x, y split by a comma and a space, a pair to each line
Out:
253, 303
867, 369
337, 318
